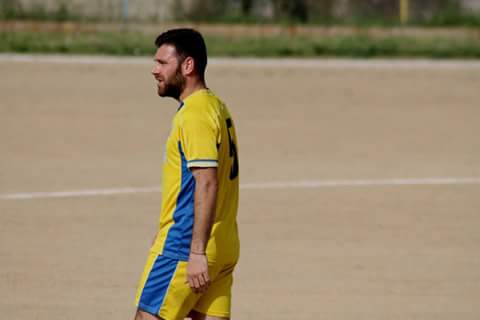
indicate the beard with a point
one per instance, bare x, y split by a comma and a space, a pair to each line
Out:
172, 87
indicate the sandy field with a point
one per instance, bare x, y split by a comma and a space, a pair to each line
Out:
372, 251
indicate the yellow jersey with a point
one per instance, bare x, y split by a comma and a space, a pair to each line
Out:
202, 135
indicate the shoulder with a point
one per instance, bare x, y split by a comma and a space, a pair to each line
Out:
201, 107
203, 101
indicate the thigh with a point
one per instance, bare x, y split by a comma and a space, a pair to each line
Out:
195, 315
216, 301
142, 315
163, 290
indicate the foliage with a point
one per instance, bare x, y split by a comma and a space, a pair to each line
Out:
14, 10
199, 10
131, 43
322, 12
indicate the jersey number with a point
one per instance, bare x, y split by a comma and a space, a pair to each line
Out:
233, 151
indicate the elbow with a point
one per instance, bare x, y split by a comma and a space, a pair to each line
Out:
211, 185
206, 179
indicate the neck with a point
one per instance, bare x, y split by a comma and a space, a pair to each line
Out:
191, 88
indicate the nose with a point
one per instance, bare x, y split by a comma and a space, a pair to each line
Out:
155, 70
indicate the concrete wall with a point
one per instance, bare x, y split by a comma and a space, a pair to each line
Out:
473, 5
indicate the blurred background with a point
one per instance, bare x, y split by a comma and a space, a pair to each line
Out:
360, 177
389, 12
431, 28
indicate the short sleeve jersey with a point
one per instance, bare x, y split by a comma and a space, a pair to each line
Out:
202, 135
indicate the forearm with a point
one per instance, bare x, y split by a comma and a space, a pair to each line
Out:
204, 214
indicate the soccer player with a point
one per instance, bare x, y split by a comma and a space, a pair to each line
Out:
189, 269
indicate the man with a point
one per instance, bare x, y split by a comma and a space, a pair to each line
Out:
189, 269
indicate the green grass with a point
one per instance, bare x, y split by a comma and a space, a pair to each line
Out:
129, 43
348, 46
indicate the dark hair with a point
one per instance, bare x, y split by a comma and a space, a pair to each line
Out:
188, 43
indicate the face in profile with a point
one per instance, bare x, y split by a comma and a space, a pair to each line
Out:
168, 72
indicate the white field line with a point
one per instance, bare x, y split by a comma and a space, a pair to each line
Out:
323, 63
306, 184
77, 193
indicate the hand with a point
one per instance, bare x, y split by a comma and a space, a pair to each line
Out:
197, 273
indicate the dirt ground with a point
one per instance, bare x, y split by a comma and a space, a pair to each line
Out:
344, 252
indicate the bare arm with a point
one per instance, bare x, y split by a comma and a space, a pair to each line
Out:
206, 186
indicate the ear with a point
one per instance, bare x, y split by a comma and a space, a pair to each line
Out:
188, 66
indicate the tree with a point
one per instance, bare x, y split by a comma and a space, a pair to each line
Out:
199, 10
246, 6
291, 10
